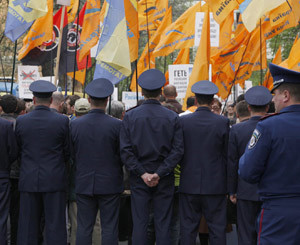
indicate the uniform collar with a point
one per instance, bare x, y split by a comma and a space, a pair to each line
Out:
42, 107
96, 111
291, 108
255, 118
151, 101
203, 108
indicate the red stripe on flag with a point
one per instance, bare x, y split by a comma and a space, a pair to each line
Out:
260, 225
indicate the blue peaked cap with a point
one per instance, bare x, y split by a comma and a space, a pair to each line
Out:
205, 87
258, 96
99, 88
42, 88
152, 79
283, 75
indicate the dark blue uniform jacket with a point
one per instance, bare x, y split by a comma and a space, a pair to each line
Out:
272, 156
203, 169
239, 137
95, 149
151, 139
43, 138
8, 147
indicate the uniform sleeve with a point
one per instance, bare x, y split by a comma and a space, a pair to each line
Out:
127, 154
12, 144
252, 164
175, 154
233, 162
66, 143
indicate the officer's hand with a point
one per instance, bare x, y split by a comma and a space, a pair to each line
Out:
233, 198
147, 178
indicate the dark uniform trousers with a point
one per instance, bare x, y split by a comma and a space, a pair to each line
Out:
162, 200
247, 213
212, 207
31, 209
88, 207
4, 208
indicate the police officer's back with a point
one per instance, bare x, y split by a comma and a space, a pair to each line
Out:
151, 145
43, 138
242, 193
272, 160
203, 169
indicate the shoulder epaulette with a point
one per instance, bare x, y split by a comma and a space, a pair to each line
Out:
269, 115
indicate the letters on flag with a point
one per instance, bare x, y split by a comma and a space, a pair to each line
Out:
20, 16
113, 58
221, 9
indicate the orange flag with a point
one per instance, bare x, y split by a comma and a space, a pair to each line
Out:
149, 11
294, 56
201, 65
181, 33
226, 30
79, 75
72, 10
131, 15
38, 34
144, 63
268, 82
183, 57
221, 9
90, 29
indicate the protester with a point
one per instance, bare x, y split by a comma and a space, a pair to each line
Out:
242, 111
70, 105
216, 106
170, 94
57, 102
190, 105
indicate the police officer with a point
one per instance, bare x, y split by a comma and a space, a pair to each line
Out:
151, 144
43, 138
242, 193
99, 176
203, 169
8, 153
272, 160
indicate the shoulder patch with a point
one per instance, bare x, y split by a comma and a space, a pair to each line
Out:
254, 139
268, 116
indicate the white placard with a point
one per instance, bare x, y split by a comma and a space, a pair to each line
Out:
27, 75
64, 2
214, 30
115, 94
179, 77
129, 99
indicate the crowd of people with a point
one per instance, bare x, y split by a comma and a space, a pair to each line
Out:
83, 171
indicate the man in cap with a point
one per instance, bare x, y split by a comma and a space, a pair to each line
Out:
272, 160
8, 153
43, 138
151, 145
242, 193
99, 176
203, 169
82, 107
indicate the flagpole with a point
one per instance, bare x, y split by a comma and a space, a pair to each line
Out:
13, 70
86, 65
136, 82
59, 45
3, 73
260, 43
147, 34
76, 46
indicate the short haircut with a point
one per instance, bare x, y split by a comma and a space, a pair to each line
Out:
271, 107
190, 101
204, 99
256, 108
151, 93
240, 98
21, 106
170, 91
58, 98
43, 100
79, 114
242, 109
9, 103
117, 109
294, 90
72, 99
98, 102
